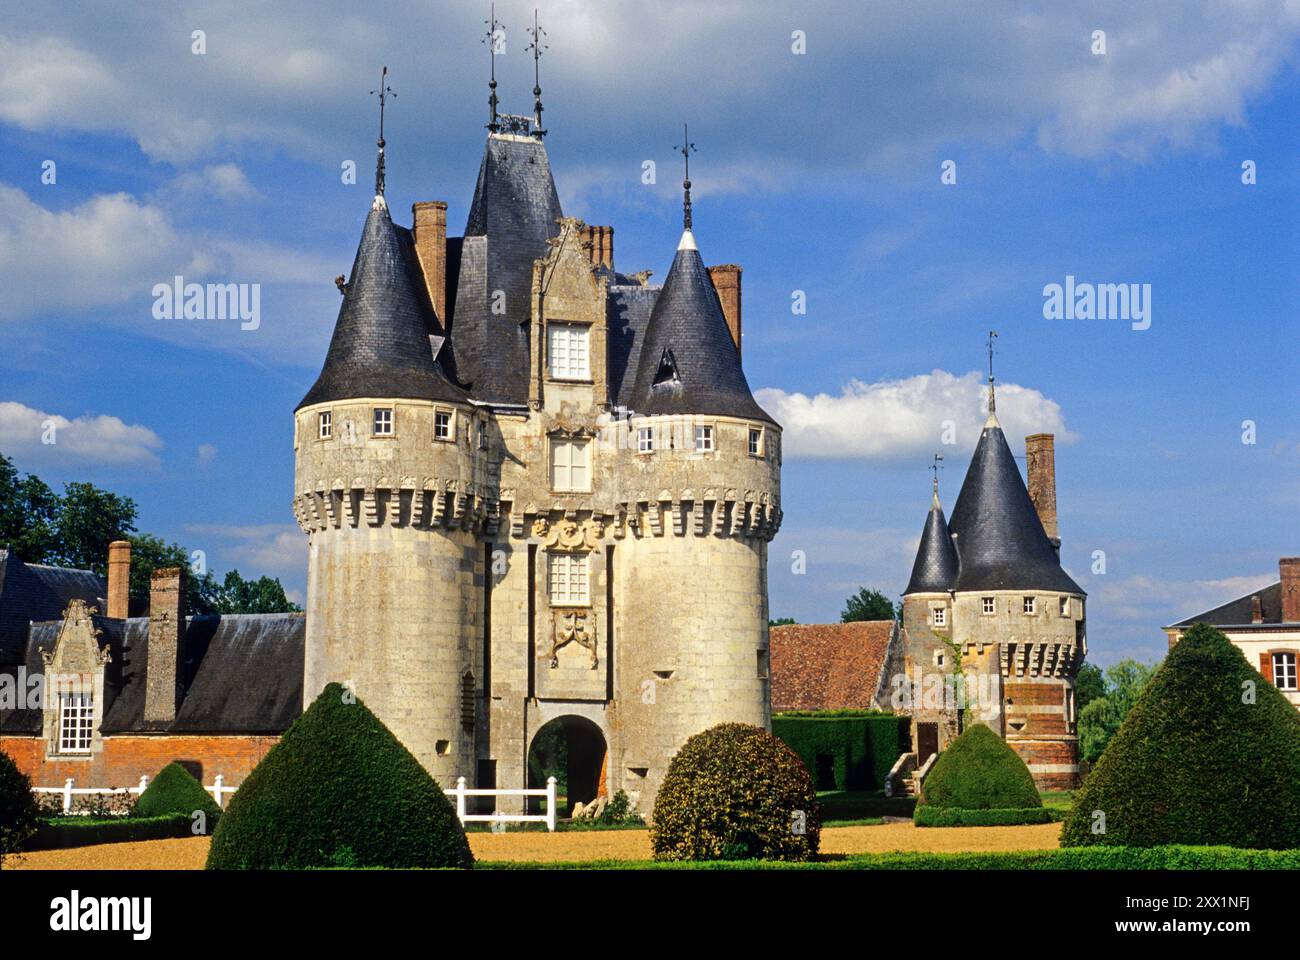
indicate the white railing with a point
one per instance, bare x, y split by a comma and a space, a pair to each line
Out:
217, 788
460, 792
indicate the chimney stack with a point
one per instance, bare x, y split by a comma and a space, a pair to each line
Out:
1256, 610
429, 230
1041, 451
166, 641
602, 245
726, 281
1289, 567
119, 580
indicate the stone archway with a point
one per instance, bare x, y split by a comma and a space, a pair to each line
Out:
572, 749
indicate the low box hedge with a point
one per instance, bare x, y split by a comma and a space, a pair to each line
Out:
858, 748
928, 816
64, 832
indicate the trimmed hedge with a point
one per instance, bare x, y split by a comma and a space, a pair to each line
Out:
338, 790
18, 812
175, 790
1193, 763
978, 771
735, 792
862, 746
80, 832
929, 816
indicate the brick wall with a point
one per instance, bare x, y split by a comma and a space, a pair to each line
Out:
125, 759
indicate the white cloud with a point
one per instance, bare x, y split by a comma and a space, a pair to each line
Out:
892, 420
37, 436
268, 549
206, 454
225, 181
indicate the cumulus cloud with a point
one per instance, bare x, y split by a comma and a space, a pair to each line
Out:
37, 436
892, 420
225, 181
267, 549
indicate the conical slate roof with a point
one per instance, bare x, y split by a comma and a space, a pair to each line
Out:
1000, 541
381, 345
689, 364
935, 568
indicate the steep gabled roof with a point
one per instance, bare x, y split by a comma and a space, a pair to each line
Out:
1001, 544
1238, 612
688, 363
381, 343
935, 569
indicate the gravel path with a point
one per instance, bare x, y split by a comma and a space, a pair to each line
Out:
191, 852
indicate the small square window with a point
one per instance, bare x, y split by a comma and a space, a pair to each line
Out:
755, 441
989, 607
940, 616
938, 659
645, 439
704, 439
383, 422
1029, 605
1065, 606
442, 425
1284, 671
325, 425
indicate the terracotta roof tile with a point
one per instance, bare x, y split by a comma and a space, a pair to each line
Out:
828, 666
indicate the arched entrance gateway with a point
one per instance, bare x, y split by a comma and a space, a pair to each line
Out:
571, 749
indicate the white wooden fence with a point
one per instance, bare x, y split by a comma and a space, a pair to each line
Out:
217, 788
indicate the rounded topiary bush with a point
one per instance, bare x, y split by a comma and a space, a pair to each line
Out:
1209, 754
18, 812
978, 771
338, 790
735, 792
175, 790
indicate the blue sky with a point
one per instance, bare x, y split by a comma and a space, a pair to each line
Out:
818, 172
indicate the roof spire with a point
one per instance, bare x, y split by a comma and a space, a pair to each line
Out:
495, 38
384, 93
993, 401
537, 47
686, 149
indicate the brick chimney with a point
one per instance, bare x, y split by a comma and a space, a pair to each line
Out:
1289, 567
429, 229
119, 580
602, 245
1256, 610
1041, 451
166, 641
726, 280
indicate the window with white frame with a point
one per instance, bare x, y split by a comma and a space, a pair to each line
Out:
325, 425
940, 616
383, 422
1065, 606
1029, 605
755, 441
569, 580
989, 607
704, 438
76, 722
645, 439
570, 465
442, 425
1284, 671
568, 351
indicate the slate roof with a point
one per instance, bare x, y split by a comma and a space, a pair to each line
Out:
828, 666
627, 313
30, 591
242, 675
687, 326
1001, 544
380, 346
935, 569
1237, 613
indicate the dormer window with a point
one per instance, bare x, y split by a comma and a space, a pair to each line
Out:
76, 722
667, 372
383, 422
569, 351
325, 425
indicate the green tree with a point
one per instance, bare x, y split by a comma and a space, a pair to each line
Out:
263, 595
29, 512
1103, 716
89, 519
150, 553
867, 605
1089, 685
783, 622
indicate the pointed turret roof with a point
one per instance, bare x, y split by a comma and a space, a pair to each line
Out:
1001, 544
689, 364
381, 345
935, 569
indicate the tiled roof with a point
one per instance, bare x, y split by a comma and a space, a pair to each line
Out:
828, 666
936, 559
30, 591
1237, 613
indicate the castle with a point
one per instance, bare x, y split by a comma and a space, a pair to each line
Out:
536, 490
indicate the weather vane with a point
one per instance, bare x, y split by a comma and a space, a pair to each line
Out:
993, 335
686, 149
495, 34
936, 468
537, 47
384, 93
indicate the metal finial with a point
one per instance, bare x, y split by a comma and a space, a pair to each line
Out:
537, 47
384, 92
936, 468
686, 149
993, 406
492, 38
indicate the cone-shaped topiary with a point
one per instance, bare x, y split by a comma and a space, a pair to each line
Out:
338, 790
175, 790
735, 792
979, 771
1209, 754
18, 811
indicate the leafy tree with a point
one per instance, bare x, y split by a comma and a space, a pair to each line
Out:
1103, 716
29, 512
237, 595
1088, 685
150, 553
783, 622
89, 519
867, 605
